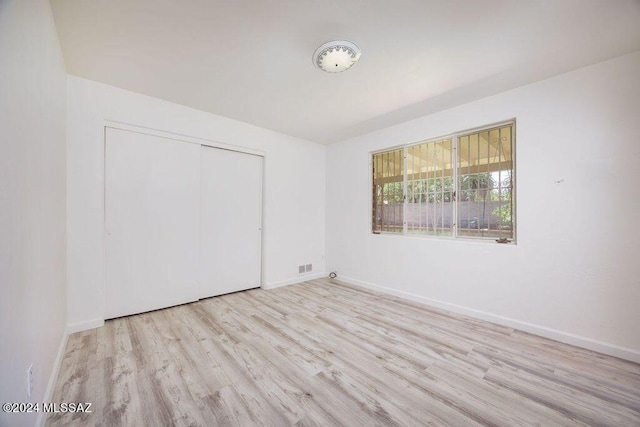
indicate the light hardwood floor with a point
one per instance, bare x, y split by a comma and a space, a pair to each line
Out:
325, 353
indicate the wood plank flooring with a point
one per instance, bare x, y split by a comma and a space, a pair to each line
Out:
325, 353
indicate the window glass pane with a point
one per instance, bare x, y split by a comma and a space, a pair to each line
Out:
430, 188
388, 191
485, 185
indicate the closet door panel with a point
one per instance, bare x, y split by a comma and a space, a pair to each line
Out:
152, 221
231, 221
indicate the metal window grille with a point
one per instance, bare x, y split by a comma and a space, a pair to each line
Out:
388, 191
485, 183
430, 188
461, 186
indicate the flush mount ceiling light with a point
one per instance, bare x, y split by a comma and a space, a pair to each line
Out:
336, 56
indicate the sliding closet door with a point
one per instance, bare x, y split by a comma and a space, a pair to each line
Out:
152, 215
231, 221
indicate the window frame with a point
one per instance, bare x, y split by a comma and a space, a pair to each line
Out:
454, 136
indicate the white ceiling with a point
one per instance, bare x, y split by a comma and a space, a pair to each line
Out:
250, 60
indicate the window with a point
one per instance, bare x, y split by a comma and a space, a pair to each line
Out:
388, 191
458, 186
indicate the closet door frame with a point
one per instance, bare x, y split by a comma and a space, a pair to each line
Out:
182, 138
188, 140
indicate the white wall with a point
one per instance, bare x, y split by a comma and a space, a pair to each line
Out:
32, 201
574, 274
294, 215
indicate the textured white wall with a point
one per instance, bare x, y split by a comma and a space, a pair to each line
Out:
32, 201
574, 273
294, 215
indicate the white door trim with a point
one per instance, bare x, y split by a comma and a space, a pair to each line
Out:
183, 138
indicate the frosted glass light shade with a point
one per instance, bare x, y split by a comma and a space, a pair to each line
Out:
336, 56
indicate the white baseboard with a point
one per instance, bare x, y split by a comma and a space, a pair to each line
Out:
293, 281
48, 393
543, 331
84, 326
